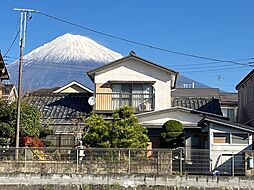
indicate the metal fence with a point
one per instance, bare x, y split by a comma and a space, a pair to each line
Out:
126, 161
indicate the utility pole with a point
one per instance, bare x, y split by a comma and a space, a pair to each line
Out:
22, 33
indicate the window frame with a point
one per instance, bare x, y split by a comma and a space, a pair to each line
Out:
231, 139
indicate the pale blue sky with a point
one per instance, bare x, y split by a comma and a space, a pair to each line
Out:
221, 29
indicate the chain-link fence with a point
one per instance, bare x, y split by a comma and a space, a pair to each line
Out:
180, 161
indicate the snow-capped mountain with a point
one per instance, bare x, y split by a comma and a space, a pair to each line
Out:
65, 59
61, 61
71, 48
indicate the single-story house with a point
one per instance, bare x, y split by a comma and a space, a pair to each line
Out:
210, 139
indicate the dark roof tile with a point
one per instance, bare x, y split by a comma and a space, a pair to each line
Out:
210, 105
60, 107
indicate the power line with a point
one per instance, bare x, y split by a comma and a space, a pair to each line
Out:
77, 70
54, 69
11, 57
187, 67
214, 70
73, 67
208, 63
205, 67
140, 43
13, 41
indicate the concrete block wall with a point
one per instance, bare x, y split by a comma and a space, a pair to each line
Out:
142, 181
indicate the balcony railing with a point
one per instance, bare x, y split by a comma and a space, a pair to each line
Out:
111, 101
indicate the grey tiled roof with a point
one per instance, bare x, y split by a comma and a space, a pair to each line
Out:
196, 92
229, 98
205, 104
203, 99
190, 102
60, 108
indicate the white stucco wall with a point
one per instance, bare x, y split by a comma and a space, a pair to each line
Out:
132, 70
159, 119
218, 149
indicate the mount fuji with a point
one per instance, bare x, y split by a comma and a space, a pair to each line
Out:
66, 58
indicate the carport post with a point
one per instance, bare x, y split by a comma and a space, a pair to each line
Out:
77, 159
181, 164
25, 157
233, 164
129, 161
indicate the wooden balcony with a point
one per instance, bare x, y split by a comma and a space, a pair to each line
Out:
107, 102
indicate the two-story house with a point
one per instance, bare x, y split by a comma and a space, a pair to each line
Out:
246, 99
4, 75
8, 92
148, 87
132, 81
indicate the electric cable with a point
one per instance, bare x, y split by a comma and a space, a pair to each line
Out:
140, 43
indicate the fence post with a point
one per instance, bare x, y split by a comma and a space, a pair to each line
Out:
180, 162
233, 164
158, 161
119, 154
25, 158
129, 161
77, 155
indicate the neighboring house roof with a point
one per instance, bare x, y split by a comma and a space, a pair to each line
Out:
229, 98
46, 90
59, 108
132, 55
196, 92
181, 109
210, 105
197, 98
246, 78
74, 84
188, 117
226, 123
4, 75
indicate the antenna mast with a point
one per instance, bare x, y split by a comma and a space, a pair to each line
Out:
220, 78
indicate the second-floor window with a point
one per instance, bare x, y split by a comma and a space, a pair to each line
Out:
139, 96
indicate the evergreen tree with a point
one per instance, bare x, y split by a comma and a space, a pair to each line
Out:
172, 134
29, 122
123, 131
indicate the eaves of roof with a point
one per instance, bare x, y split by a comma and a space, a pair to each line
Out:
244, 79
73, 83
91, 73
183, 110
4, 75
226, 123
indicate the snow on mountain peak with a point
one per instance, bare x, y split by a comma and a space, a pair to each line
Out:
64, 59
71, 48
